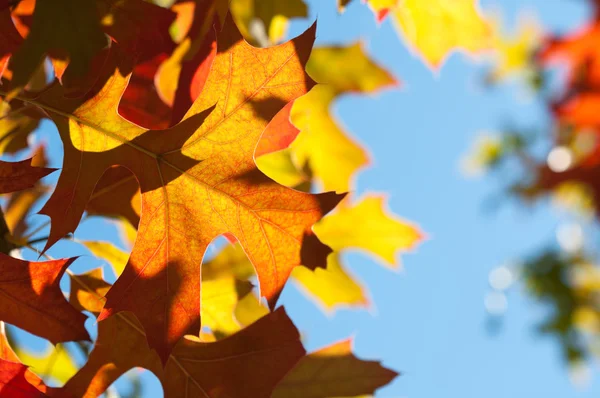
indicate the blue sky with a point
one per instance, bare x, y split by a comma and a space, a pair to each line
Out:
429, 320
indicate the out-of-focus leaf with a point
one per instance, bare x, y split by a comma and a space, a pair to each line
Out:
219, 300
274, 15
333, 372
436, 28
107, 251
68, 29
16, 123
55, 362
331, 155
367, 226
332, 287
280, 167
515, 53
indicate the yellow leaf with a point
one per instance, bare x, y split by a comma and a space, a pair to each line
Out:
114, 256
382, 7
249, 310
435, 28
331, 155
515, 53
219, 300
280, 167
274, 15
367, 226
332, 287
55, 363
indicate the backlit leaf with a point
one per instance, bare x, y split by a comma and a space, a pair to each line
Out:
367, 226
16, 176
198, 181
333, 372
32, 299
436, 28
331, 155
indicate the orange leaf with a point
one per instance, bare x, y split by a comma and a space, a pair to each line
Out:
16, 176
33, 300
14, 382
248, 364
198, 181
333, 372
10, 39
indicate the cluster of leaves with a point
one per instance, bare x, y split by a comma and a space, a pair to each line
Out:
565, 280
176, 126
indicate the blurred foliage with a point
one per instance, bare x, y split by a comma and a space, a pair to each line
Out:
558, 161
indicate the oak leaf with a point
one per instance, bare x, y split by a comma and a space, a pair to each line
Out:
366, 225
333, 372
272, 14
198, 181
32, 299
17, 121
436, 28
68, 29
579, 51
14, 381
331, 287
16, 378
322, 144
10, 39
19, 204
263, 353
16, 176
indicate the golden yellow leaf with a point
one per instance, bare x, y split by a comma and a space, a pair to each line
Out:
249, 310
331, 155
331, 287
368, 226
435, 28
280, 167
55, 362
107, 251
274, 15
219, 300
515, 53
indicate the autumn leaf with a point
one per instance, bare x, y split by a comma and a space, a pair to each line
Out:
514, 54
137, 26
379, 233
10, 39
110, 253
219, 300
579, 51
18, 205
74, 34
55, 363
272, 14
333, 372
198, 181
16, 378
14, 383
17, 121
435, 28
331, 287
33, 300
117, 195
331, 155
263, 353
16, 176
